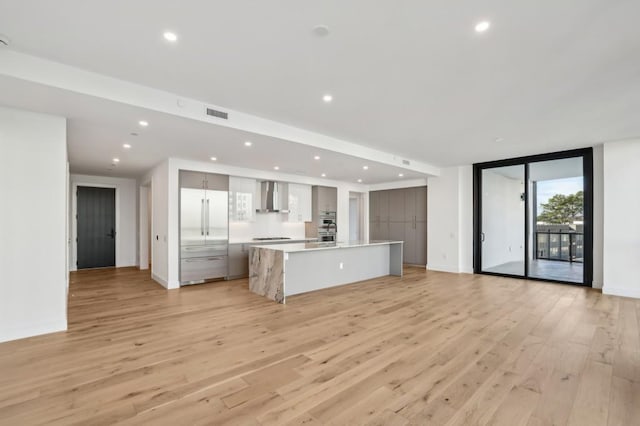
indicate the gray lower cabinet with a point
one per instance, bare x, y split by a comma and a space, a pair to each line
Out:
410, 240
238, 260
420, 248
397, 205
401, 214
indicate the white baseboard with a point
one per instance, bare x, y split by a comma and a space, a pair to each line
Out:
624, 292
126, 264
443, 268
30, 330
160, 280
596, 284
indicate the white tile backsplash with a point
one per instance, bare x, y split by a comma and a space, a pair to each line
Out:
266, 225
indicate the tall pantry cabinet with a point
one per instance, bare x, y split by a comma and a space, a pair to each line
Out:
401, 215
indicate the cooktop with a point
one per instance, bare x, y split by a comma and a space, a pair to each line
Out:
271, 238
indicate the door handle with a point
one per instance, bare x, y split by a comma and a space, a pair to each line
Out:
201, 259
207, 216
482, 237
112, 234
202, 217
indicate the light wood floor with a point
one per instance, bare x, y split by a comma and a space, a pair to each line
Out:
430, 348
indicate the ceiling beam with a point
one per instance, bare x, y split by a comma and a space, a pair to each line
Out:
54, 74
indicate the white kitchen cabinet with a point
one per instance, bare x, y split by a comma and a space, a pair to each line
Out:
242, 199
299, 203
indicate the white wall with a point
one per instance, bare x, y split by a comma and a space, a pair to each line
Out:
158, 178
33, 240
621, 223
450, 221
126, 217
465, 219
143, 227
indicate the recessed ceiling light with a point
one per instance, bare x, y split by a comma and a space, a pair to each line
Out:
359, 180
169, 36
482, 26
214, 159
276, 168
499, 139
365, 167
400, 174
248, 143
126, 146
143, 123
321, 30
327, 98
116, 160
324, 175
316, 157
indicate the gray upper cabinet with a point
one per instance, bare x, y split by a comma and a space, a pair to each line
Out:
199, 180
195, 180
421, 203
396, 231
373, 207
401, 214
326, 198
409, 204
383, 206
415, 204
396, 205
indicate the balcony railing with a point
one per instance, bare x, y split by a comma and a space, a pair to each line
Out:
561, 246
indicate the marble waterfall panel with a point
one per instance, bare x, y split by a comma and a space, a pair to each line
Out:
266, 273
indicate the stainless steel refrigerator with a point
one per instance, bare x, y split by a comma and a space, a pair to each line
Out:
204, 226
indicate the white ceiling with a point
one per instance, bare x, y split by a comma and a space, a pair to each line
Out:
410, 77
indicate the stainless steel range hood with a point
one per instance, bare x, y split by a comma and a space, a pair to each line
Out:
271, 198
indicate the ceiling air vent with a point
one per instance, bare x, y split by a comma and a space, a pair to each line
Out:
406, 162
218, 114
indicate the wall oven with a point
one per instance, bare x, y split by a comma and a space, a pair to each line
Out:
326, 236
327, 226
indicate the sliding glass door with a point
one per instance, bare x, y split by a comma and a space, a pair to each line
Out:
533, 216
503, 234
556, 203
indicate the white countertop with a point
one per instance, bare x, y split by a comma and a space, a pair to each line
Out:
298, 247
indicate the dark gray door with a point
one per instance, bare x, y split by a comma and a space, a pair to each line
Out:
96, 227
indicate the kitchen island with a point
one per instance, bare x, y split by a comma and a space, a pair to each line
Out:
278, 271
